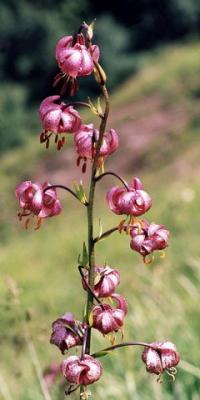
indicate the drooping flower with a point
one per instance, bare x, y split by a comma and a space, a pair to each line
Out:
147, 237
75, 59
161, 356
81, 371
57, 118
108, 319
86, 141
35, 200
133, 201
106, 281
66, 332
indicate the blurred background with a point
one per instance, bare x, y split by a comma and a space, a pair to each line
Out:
150, 50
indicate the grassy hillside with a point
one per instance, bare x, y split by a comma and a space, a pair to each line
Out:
157, 115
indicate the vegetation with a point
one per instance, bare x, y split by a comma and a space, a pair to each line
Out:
29, 31
42, 263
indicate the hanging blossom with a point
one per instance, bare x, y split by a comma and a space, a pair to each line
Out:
147, 237
86, 139
34, 201
81, 371
57, 118
75, 59
106, 281
67, 332
108, 319
160, 357
133, 201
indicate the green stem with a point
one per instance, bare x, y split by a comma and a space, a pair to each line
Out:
90, 214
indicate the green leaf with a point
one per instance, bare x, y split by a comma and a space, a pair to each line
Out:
92, 107
80, 192
85, 312
91, 319
84, 255
100, 228
100, 354
99, 108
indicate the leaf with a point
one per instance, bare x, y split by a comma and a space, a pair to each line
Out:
85, 312
97, 278
84, 255
91, 319
100, 74
100, 229
80, 192
92, 107
100, 354
98, 107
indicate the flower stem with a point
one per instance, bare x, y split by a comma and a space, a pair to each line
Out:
90, 215
124, 344
98, 178
64, 188
106, 233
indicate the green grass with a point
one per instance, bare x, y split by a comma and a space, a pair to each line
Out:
163, 297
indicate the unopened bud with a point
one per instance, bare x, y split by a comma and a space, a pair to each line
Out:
99, 74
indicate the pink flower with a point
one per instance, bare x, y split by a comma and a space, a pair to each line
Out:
58, 118
34, 200
66, 332
87, 137
148, 237
160, 356
106, 281
107, 319
134, 201
81, 371
75, 59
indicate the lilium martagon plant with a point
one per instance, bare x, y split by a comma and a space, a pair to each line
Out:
105, 310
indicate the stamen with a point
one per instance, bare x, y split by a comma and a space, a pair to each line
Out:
162, 254
148, 260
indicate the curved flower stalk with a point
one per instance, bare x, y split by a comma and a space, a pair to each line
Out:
105, 310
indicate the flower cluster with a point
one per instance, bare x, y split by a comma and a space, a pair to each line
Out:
105, 310
133, 201
107, 318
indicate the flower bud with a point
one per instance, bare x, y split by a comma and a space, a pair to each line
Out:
86, 139
160, 356
147, 237
75, 59
106, 281
58, 118
66, 332
81, 371
134, 201
107, 319
34, 200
